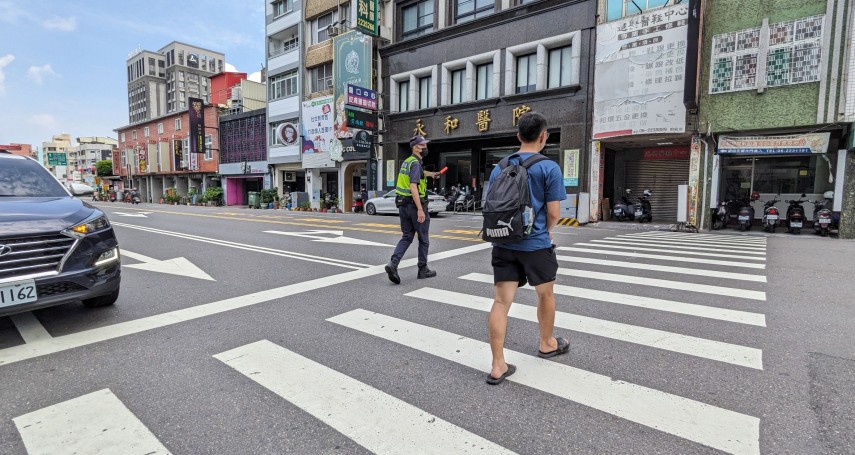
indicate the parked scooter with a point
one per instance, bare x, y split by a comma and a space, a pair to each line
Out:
823, 217
796, 215
643, 210
358, 205
623, 209
466, 201
746, 212
771, 214
721, 215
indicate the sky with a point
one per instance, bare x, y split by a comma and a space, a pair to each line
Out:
63, 62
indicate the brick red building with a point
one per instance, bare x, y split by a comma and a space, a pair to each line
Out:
19, 149
221, 86
153, 155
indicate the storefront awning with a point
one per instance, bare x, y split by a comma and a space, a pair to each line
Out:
795, 144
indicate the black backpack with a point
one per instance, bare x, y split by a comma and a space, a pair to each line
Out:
508, 215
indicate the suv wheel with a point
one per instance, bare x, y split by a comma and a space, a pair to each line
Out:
104, 300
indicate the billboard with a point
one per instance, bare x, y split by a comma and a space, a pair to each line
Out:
367, 17
197, 126
795, 144
639, 75
193, 60
352, 65
318, 135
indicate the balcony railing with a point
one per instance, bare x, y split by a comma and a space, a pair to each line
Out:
290, 46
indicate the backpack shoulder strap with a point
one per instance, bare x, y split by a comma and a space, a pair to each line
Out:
505, 162
530, 161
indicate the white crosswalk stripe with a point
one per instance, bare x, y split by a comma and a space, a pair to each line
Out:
706, 246
659, 339
721, 239
705, 424
594, 248
96, 423
664, 268
375, 420
602, 244
667, 284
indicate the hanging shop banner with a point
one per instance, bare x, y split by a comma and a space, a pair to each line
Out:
352, 66
197, 126
193, 159
571, 167
317, 124
639, 74
178, 153
796, 144
694, 179
141, 160
361, 97
597, 176
367, 17
391, 173
666, 153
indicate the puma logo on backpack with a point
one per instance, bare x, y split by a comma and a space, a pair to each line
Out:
507, 210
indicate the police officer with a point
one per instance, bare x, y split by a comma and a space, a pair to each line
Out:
411, 199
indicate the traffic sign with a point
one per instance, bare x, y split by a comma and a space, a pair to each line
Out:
57, 159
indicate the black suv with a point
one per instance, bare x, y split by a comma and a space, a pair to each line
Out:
54, 248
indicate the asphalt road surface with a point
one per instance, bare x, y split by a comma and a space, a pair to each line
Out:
270, 332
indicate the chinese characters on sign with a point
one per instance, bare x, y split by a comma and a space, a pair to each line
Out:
360, 120
666, 153
519, 111
419, 130
483, 120
799, 144
694, 178
366, 16
197, 126
318, 132
450, 124
361, 97
571, 167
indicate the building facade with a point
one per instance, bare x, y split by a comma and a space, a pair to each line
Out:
57, 149
518, 57
159, 83
89, 151
243, 155
20, 149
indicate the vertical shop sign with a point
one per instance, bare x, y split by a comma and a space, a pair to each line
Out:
178, 153
694, 178
571, 167
596, 178
197, 126
141, 154
366, 17
390, 173
351, 66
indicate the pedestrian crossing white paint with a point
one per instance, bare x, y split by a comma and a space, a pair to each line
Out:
593, 249
671, 306
679, 243
705, 424
96, 423
667, 284
723, 239
659, 339
718, 240
603, 244
29, 327
375, 420
665, 268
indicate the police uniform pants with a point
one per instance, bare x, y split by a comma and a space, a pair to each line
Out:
410, 226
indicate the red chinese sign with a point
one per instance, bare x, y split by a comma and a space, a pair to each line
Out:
666, 153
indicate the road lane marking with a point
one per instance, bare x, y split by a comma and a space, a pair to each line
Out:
671, 306
29, 327
721, 238
96, 423
462, 231
96, 335
662, 257
643, 336
667, 284
692, 239
665, 268
179, 266
254, 248
699, 422
322, 236
603, 244
373, 419
680, 243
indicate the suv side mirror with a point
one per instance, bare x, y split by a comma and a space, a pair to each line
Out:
78, 189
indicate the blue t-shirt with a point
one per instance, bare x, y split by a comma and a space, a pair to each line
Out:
545, 184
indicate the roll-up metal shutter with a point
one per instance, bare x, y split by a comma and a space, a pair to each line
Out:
661, 177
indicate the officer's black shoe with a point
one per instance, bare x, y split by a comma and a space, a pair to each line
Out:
425, 272
392, 271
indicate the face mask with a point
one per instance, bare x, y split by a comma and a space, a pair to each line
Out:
425, 152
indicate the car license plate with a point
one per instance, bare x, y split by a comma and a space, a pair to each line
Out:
824, 223
743, 218
638, 213
17, 292
771, 217
797, 224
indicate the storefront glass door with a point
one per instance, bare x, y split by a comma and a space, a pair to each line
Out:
459, 169
797, 174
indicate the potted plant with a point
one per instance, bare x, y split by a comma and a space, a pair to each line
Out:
276, 202
214, 195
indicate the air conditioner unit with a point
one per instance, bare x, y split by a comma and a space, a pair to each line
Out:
290, 177
332, 30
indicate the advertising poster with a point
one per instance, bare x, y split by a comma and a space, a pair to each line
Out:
694, 178
391, 175
640, 74
197, 126
352, 66
571, 167
178, 154
141, 160
318, 136
596, 186
286, 133
796, 144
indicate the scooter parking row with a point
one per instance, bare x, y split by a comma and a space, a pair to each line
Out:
824, 219
625, 210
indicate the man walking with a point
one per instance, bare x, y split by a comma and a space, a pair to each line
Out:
532, 259
412, 202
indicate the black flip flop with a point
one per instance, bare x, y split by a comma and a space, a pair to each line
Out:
563, 348
494, 381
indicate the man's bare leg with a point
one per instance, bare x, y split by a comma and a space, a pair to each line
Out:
498, 324
545, 317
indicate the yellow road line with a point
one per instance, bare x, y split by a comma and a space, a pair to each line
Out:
461, 231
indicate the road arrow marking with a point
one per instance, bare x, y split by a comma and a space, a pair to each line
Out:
133, 215
322, 236
177, 266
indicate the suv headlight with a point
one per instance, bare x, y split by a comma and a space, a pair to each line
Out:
88, 227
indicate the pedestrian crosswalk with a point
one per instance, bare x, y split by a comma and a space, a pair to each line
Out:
703, 288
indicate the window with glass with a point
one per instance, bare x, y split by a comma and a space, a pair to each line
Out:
283, 85
160, 128
322, 77
467, 10
321, 25
424, 93
484, 81
403, 96
560, 62
209, 147
282, 6
145, 131
123, 137
417, 19
616, 9
458, 78
526, 73
134, 134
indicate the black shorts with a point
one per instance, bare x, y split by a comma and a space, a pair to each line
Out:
534, 267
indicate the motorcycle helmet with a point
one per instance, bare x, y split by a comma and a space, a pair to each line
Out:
648, 193
755, 195
828, 195
628, 191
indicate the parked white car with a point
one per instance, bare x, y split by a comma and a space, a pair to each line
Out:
386, 204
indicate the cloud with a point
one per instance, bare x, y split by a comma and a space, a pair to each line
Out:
38, 73
230, 68
254, 77
5, 60
66, 24
12, 13
44, 120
